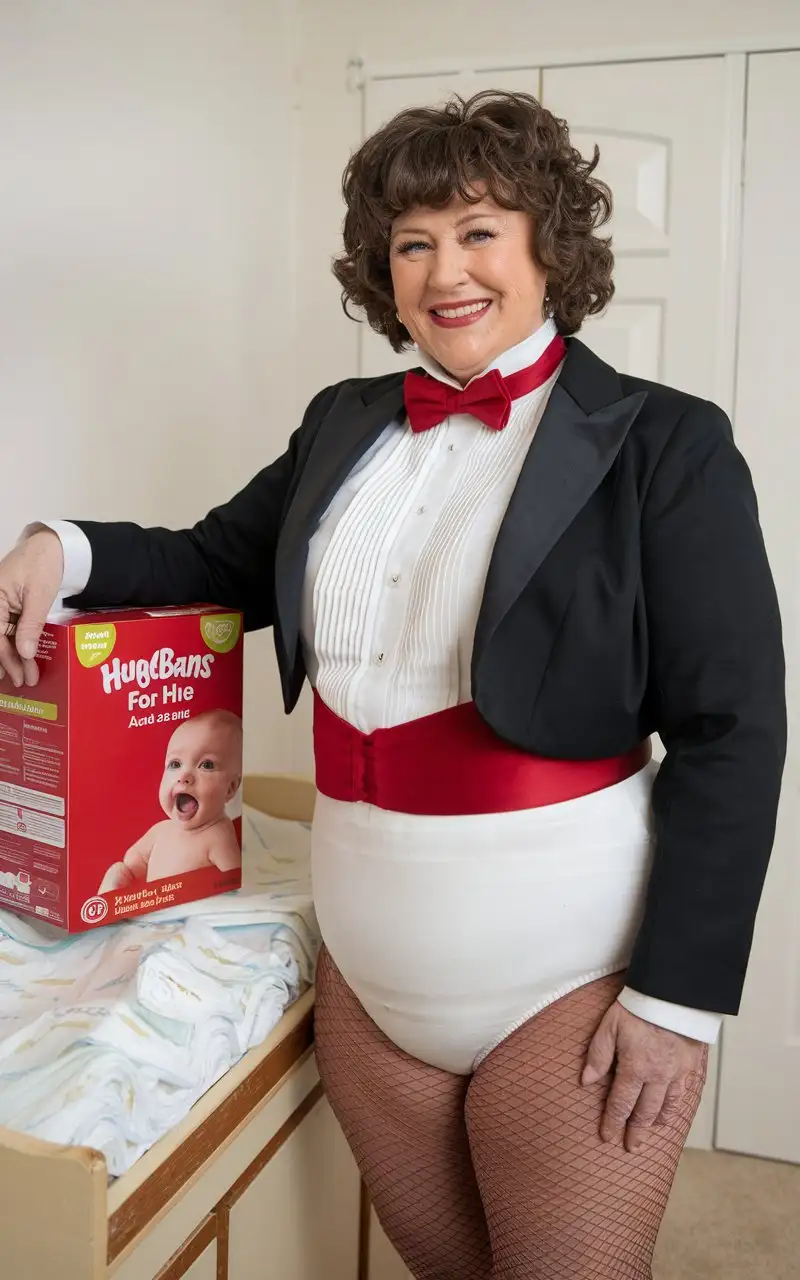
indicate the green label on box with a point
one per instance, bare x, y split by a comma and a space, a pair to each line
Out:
93, 644
221, 632
26, 707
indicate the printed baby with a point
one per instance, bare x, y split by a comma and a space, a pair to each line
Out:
202, 773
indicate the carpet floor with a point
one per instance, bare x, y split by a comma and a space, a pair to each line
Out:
733, 1218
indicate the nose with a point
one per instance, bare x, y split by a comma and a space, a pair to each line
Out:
448, 269
186, 777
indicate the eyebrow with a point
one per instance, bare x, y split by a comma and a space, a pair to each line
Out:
459, 222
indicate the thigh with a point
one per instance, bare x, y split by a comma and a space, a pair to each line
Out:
404, 1122
559, 1203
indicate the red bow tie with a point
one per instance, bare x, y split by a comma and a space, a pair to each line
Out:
429, 402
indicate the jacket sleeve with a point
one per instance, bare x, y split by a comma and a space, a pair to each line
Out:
228, 558
717, 683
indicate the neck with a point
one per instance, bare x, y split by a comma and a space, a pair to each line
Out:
212, 822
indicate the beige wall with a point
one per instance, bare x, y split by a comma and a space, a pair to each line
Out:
146, 290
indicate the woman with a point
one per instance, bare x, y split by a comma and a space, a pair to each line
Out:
501, 575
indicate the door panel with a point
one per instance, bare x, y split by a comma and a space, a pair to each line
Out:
661, 129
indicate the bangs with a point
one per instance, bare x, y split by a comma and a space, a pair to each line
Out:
433, 166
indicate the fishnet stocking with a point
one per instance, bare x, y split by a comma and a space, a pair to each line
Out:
560, 1204
404, 1121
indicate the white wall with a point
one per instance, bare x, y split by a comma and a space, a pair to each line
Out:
436, 33
146, 291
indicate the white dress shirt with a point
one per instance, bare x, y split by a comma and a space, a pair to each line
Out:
395, 577
405, 545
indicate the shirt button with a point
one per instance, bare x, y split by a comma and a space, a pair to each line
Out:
451, 448
420, 511
395, 578
379, 659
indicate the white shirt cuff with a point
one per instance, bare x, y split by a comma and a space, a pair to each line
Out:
77, 553
698, 1024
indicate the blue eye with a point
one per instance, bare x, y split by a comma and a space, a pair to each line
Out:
208, 765
478, 235
174, 764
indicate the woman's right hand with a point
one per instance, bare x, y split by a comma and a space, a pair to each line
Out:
30, 579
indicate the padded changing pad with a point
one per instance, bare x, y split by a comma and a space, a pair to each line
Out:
108, 1039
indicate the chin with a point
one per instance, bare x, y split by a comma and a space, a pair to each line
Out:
464, 351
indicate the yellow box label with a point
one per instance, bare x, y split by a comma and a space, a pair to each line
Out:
221, 632
93, 644
26, 707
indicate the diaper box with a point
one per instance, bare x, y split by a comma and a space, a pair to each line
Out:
121, 770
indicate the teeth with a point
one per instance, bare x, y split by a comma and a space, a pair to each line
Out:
451, 312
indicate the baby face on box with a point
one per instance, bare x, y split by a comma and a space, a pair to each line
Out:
202, 774
203, 770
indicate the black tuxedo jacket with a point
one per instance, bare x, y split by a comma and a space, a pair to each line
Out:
628, 593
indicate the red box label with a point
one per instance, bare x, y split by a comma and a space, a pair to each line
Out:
120, 772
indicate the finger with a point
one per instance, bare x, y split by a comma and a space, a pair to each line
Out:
601, 1051
622, 1098
10, 661
30, 671
673, 1103
36, 604
21, 670
644, 1115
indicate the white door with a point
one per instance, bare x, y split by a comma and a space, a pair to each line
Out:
759, 1102
382, 100
662, 129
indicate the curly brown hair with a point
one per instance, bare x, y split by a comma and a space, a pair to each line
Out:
521, 156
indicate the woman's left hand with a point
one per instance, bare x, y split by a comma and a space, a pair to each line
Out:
655, 1067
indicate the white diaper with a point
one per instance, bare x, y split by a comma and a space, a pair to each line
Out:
453, 931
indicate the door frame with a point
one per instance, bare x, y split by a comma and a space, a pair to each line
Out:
360, 69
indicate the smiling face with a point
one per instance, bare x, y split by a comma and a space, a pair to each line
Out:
203, 769
466, 285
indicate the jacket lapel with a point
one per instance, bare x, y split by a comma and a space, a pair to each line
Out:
352, 424
581, 432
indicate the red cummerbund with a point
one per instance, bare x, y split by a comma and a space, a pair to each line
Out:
450, 763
